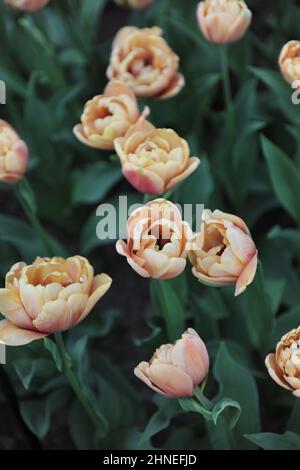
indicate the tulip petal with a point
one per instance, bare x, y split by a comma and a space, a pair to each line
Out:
273, 371
241, 244
101, 285
55, 316
171, 379
12, 309
193, 164
173, 88
175, 267
247, 276
13, 335
142, 179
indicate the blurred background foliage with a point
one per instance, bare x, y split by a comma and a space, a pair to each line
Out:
52, 62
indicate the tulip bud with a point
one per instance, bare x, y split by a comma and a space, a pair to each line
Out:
13, 154
289, 61
134, 3
284, 365
27, 5
142, 60
108, 116
154, 160
48, 296
157, 239
175, 369
223, 21
224, 252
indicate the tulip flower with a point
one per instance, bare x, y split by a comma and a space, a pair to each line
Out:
48, 296
224, 252
289, 61
284, 365
154, 160
27, 5
223, 21
175, 369
134, 3
142, 59
13, 154
108, 116
157, 239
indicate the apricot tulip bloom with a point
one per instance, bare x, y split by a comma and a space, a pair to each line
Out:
157, 240
13, 154
223, 21
142, 59
224, 252
27, 5
47, 296
284, 365
175, 369
108, 116
154, 160
289, 61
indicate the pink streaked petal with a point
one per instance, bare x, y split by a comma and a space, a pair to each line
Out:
246, 276
241, 244
172, 380
143, 180
13, 335
174, 88
140, 372
193, 164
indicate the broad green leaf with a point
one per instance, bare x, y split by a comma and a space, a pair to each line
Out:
231, 407
272, 441
285, 178
168, 302
289, 235
53, 349
94, 182
168, 409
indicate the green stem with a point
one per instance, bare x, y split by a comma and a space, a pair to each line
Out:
32, 217
202, 399
99, 424
226, 85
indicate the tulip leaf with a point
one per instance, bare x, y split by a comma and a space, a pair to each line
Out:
94, 182
192, 405
53, 349
168, 409
290, 236
231, 407
271, 441
169, 304
236, 382
285, 178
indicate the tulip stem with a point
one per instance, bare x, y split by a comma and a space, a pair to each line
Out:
202, 399
226, 84
20, 191
95, 418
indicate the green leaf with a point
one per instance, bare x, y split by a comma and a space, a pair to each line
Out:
272, 441
192, 405
284, 323
236, 382
94, 182
289, 236
231, 407
53, 349
285, 178
170, 306
168, 409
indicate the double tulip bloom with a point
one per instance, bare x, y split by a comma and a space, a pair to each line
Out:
108, 116
142, 59
157, 240
289, 61
175, 369
134, 3
13, 154
223, 21
284, 365
47, 296
154, 160
27, 5
224, 252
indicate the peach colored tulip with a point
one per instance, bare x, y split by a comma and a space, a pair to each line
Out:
224, 252
223, 21
142, 59
134, 3
175, 369
284, 365
157, 239
154, 160
27, 5
13, 154
47, 296
108, 116
289, 61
